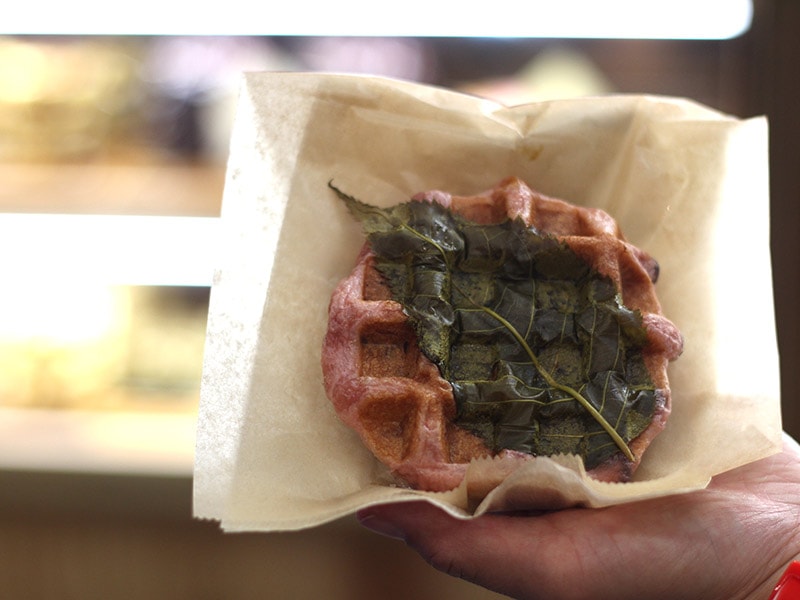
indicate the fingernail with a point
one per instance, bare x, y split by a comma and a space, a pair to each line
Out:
379, 525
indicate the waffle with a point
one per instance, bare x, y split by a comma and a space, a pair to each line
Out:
388, 391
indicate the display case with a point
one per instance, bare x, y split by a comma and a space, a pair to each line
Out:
102, 316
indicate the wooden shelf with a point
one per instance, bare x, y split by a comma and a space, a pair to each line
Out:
136, 188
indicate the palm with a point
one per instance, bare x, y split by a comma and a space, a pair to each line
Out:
722, 542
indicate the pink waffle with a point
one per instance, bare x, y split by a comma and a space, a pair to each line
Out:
383, 387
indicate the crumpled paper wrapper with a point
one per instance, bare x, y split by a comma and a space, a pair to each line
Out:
686, 183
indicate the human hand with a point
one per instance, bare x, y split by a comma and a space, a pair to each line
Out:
730, 541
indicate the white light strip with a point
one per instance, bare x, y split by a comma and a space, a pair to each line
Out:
107, 249
660, 19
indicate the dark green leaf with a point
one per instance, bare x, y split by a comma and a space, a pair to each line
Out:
542, 356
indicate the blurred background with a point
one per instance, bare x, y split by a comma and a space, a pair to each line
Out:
112, 161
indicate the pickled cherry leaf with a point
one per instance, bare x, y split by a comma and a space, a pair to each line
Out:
542, 355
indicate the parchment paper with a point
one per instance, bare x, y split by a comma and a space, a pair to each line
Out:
686, 183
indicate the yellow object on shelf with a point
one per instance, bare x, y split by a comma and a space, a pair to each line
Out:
61, 99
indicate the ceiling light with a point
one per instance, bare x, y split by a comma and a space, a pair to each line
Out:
662, 19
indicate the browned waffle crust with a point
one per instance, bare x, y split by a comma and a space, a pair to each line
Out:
383, 387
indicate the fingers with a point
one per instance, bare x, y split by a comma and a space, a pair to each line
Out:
574, 553
493, 551
438, 537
